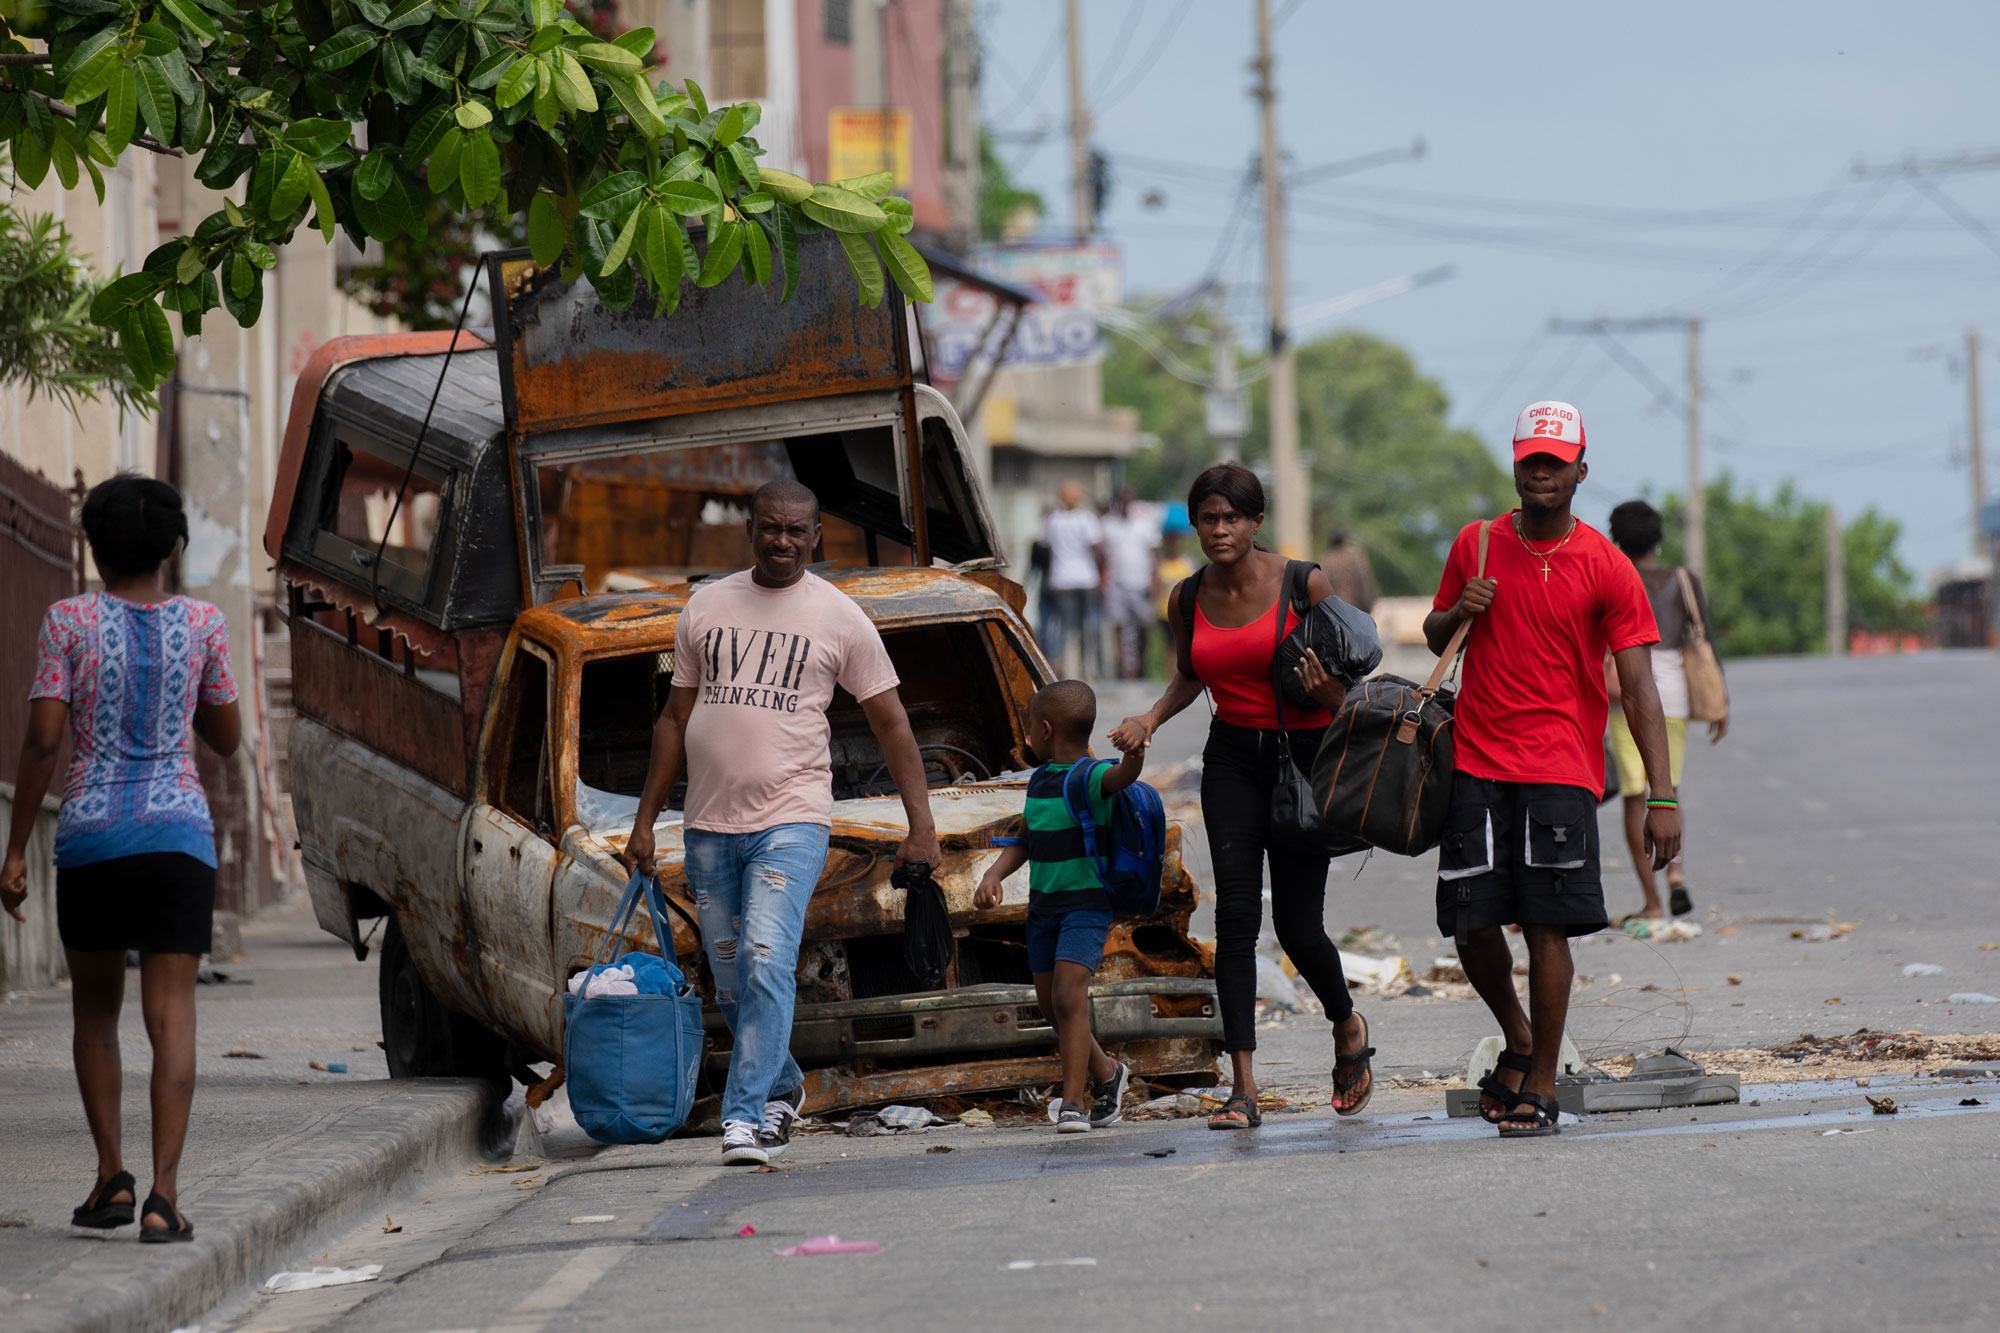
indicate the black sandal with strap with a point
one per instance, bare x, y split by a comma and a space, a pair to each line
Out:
1237, 1103
1491, 1086
1546, 1114
178, 1228
1356, 1063
100, 1211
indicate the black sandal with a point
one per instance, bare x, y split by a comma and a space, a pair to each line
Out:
1491, 1086
1237, 1104
1545, 1117
1356, 1063
178, 1228
100, 1211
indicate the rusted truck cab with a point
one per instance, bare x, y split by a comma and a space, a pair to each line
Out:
487, 543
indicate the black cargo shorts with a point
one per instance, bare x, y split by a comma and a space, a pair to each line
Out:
1519, 853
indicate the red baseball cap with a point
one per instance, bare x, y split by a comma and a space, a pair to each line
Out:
1549, 427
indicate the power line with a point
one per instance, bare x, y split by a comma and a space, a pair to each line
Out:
1119, 49
1044, 63
1161, 39
1957, 213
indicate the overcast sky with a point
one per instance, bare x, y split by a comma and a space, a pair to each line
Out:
1584, 159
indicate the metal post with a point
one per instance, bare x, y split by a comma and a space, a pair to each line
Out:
961, 155
1697, 497
1293, 490
1977, 437
1836, 586
1225, 415
1079, 129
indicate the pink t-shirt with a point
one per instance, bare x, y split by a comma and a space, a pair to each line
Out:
763, 663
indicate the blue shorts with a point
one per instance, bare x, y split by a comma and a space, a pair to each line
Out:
1067, 937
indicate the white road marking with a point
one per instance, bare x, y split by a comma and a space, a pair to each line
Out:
574, 1278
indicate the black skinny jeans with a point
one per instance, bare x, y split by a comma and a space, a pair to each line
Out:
1238, 769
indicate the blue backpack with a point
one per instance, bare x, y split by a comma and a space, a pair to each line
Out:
1130, 854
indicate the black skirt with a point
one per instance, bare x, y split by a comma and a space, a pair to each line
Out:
156, 902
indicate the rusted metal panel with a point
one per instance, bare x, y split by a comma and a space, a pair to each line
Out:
374, 700
38, 551
842, 1087
567, 361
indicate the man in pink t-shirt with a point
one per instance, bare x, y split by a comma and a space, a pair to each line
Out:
756, 658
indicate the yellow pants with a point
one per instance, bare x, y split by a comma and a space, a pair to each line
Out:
1631, 768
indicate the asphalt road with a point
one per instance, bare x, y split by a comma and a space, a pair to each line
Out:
1853, 792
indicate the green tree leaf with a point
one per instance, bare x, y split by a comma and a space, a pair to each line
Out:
637, 99
191, 18
663, 250
317, 137
345, 47
191, 265
788, 252
31, 160
689, 198
121, 109
479, 169
408, 14
445, 162
730, 128
614, 196
867, 268
639, 41
746, 166
372, 177
759, 201
756, 252
792, 189
472, 114
247, 306
696, 98
242, 275
572, 84
289, 190
156, 101
724, 249
905, 265
621, 247
94, 77
842, 211
546, 232
118, 296
874, 186
607, 59
517, 82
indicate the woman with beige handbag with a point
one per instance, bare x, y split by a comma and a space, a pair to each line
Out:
1689, 676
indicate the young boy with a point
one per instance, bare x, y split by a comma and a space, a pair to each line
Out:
1069, 911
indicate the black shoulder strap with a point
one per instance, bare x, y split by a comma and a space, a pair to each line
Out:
1190, 586
1298, 578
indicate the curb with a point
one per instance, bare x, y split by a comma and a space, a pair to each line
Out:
316, 1181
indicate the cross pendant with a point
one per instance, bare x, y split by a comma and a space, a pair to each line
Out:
1545, 571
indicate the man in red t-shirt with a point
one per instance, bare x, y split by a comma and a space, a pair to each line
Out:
1520, 842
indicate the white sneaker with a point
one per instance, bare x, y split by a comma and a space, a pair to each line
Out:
1073, 1120
780, 1114
740, 1146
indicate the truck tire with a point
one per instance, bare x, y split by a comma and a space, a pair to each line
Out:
421, 1037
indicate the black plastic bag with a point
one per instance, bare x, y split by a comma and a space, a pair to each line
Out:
1344, 639
927, 940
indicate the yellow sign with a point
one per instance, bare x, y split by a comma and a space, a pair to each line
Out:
865, 139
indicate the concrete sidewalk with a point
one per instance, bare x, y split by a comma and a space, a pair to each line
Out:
278, 1154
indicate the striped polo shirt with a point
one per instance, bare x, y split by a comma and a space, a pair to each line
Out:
1061, 877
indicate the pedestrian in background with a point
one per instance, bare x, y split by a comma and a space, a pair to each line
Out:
1227, 645
1520, 837
1636, 528
131, 675
1131, 539
1174, 565
1075, 539
1349, 571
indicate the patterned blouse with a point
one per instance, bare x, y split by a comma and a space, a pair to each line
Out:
132, 676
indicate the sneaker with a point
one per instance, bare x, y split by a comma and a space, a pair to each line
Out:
780, 1114
1073, 1120
740, 1146
1107, 1099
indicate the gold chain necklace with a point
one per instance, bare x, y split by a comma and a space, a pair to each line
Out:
1543, 556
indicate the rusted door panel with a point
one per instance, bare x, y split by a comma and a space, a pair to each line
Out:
510, 878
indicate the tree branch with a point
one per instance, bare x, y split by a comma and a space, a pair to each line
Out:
146, 142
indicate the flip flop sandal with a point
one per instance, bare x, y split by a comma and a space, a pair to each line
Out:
1238, 1112
1545, 1117
103, 1213
1678, 901
178, 1228
1356, 1063
1491, 1086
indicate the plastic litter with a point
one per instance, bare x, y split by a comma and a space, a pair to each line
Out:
241, 1055
1824, 931
1161, 1152
1971, 997
910, 1118
976, 1119
1663, 932
327, 1066
1922, 970
746, 1231
312, 1279
592, 1219
1023, 1265
1391, 973
1275, 989
830, 1245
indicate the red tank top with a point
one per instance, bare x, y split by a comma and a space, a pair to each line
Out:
1235, 665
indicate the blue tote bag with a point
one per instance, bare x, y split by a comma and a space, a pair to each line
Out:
632, 1060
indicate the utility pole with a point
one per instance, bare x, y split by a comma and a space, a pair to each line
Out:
1696, 543
1975, 436
1289, 481
1836, 586
1079, 131
1223, 404
961, 109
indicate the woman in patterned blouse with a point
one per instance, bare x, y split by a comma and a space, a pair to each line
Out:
130, 676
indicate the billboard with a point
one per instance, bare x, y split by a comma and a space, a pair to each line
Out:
1071, 283
862, 140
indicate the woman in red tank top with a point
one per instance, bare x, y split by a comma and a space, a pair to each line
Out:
1238, 600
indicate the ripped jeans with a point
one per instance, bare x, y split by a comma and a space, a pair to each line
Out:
750, 891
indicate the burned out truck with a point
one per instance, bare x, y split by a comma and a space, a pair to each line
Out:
487, 539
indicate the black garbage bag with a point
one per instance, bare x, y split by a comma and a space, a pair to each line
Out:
1342, 636
926, 925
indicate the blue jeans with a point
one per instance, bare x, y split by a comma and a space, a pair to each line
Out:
750, 891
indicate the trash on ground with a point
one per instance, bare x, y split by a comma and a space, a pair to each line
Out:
1446, 969
390, 1226
1970, 1101
1022, 1265
1275, 989
1829, 1133
1922, 970
939, 1147
1831, 999
1662, 932
909, 1117
1379, 973
1882, 1105
241, 1055
312, 1279
746, 1231
1735, 981
592, 1219
1823, 931
510, 1168
1971, 997
1368, 939
830, 1245
327, 1066
976, 1119
10, 1221
1161, 1152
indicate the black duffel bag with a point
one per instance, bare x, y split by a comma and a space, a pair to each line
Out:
1383, 774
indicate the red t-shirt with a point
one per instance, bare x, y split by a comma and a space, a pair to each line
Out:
1531, 702
1235, 665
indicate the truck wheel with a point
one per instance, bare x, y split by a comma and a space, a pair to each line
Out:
421, 1037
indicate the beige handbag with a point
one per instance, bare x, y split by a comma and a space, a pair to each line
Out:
1708, 693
